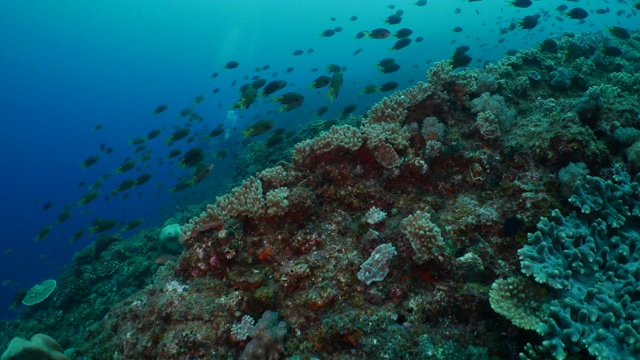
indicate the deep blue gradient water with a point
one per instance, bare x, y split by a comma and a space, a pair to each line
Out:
67, 65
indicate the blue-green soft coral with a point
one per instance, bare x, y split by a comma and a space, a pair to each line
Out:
592, 259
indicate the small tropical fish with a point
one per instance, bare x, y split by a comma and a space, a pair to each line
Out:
124, 186
379, 33
529, 22
202, 171
181, 186
258, 128
127, 165
388, 86
64, 215
185, 112
192, 157
174, 153
76, 236
460, 57
348, 110
336, 84
217, 131
320, 82
178, 134
153, 134
393, 19
88, 197
197, 100
132, 224
43, 233
100, 225
221, 154
18, 298
389, 68
91, 160
403, 33
290, 101
549, 45
163, 259
577, 13
273, 87
258, 83
334, 68
369, 89
322, 110
160, 109
137, 141
521, 3
612, 51
619, 32
401, 44
328, 33
231, 65
249, 96
273, 140
143, 178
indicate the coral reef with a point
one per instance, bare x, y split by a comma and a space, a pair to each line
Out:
382, 235
591, 262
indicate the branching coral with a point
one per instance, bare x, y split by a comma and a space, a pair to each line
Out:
423, 234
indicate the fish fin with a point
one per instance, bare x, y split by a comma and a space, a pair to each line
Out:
330, 95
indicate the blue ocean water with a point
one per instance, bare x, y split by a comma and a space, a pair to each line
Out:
67, 66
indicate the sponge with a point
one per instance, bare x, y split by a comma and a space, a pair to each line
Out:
40, 347
170, 239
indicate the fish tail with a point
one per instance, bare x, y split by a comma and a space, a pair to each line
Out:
330, 95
